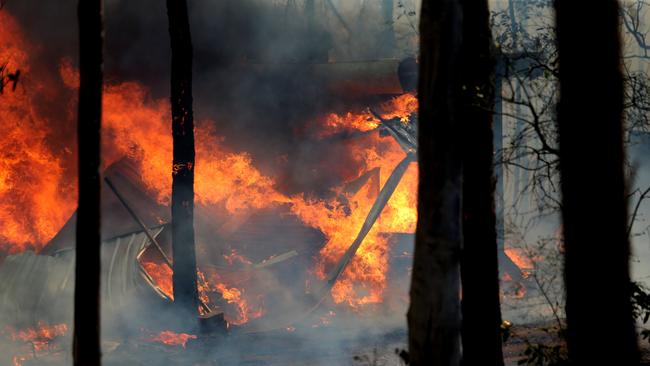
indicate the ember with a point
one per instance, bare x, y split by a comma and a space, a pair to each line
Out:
172, 339
207, 285
234, 257
39, 339
40, 336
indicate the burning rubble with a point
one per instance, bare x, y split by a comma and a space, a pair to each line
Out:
228, 187
170, 338
263, 251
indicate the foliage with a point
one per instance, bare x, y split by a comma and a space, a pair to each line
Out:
641, 307
375, 359
540, 354
524, 36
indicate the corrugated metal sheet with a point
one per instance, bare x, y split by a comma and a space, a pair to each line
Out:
41, 287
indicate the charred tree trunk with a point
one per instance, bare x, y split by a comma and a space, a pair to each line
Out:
594, 208
184, 262
434, 313
86, 337
479, 261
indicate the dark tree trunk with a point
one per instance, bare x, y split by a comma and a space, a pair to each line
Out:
184, 262
434, 313
594, 208
479, 261
86, 337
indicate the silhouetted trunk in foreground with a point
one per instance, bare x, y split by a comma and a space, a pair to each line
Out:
184, 256
434, 313
479, 260
599, 316
86, 337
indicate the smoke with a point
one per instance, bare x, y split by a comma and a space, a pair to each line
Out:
254, 78
251, 73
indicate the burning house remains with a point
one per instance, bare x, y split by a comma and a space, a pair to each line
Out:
282, 227
306, 174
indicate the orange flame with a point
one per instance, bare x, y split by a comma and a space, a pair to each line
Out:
364, 280
244, 312
169, 338
40, 337
33, 177
234, 257
519, 257
162, 277
33, 201
37, 194
399, 107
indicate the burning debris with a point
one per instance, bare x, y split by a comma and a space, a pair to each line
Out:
40, 340
170, 338
269, 257
40, 336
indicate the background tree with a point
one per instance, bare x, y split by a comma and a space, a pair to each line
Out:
86, 337
526, 40
184, 262
434, 312
479, 261
594, 205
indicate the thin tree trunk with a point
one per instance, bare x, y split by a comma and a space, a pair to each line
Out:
479, 261
594, 207
184, 262
434, 313
86, 337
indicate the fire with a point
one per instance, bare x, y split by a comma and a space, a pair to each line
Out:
135, 125
162, 276
234, 257
206, 285
235, 296
243, 307
35, 180
38, 192
41, 336
169, 338
34, 200
526, 263
335, 123
399, 107
39, 340
364, 280
521, 259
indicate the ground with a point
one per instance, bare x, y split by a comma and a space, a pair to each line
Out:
331, 346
